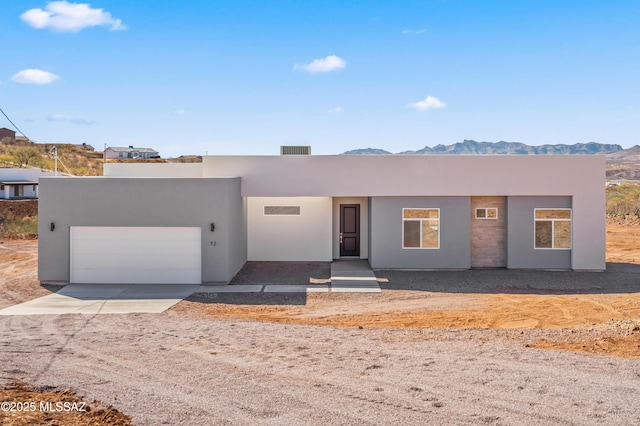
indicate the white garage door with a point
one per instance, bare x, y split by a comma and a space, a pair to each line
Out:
131, 255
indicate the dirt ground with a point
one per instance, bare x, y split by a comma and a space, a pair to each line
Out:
593, 313
610, 312
62, 407
18, 283
623, 240
19, 266
18, 208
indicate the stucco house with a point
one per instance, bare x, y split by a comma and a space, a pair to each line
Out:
20, 183
130, 152
193, 223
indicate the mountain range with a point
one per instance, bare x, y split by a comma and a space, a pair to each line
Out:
473, 147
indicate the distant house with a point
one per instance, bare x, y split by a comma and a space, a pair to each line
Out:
7, 133
114, 152
86, 146
20, 183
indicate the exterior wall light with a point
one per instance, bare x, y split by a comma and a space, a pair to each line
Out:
53, 226
213, 227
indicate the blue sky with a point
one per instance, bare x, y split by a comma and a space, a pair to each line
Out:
244, 77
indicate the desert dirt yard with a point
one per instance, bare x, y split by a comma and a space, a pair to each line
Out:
469, 347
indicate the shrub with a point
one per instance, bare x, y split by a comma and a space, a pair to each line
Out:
18, 227
623, 200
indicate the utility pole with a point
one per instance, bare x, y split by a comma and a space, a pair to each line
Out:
55, 161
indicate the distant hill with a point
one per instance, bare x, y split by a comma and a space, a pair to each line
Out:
473, 147
367, 151
624, 165
628, 155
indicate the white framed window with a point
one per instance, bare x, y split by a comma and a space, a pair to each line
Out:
281, 210
552, 228
420, 228
486, 213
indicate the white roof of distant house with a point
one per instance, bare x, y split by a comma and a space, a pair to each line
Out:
130, 149
18, 182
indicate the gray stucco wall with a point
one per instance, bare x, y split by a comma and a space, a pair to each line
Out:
521, 233
143, 202
386, 234
237, 231
579, 176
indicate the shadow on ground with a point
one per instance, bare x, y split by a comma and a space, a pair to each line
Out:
53, 288
618, 278
272, 299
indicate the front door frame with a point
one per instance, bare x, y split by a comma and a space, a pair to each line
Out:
349, 239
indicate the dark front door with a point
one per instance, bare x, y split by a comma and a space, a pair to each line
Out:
349, 229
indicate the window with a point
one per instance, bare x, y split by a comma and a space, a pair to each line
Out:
552, 228
282, 210
486, 213
421, 228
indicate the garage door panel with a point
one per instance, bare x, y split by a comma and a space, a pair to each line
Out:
143, 276
132, 247
137, 261
149, 232
136, 255
86, 238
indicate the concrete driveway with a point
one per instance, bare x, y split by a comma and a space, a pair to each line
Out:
105, 299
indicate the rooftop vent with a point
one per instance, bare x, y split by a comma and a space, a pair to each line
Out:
295, 150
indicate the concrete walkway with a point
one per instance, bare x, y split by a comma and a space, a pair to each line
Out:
94, 299
353, 276
347, 276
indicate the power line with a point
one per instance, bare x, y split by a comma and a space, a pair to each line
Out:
14, 125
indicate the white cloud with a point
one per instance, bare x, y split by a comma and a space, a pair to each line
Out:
178, 111
34, 76
429, 103
70, 17
330, 63
69, 119
336, 110
420, 31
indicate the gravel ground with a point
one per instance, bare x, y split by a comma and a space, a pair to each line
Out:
190, 367
168, 369
618, 278
274, 273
